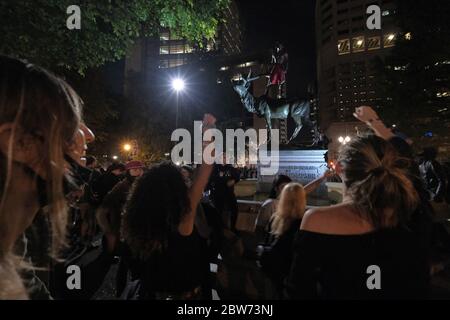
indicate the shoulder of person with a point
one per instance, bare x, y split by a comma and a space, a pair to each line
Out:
314, 218
324, 219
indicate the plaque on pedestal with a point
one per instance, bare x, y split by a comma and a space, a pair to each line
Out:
301, 166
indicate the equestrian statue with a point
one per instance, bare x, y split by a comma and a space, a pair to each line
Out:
268, 108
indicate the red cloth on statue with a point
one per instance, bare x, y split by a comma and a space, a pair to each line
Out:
278, 75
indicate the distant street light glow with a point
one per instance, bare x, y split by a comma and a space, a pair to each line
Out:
178, 84
115, 157
343, 140
127, 147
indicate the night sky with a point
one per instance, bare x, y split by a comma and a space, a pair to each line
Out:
292, 23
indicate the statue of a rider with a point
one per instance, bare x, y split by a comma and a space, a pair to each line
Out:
278, 71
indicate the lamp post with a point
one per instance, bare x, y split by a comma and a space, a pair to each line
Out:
178, 86
344, 140
127, 150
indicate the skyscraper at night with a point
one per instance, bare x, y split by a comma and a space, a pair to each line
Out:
347, 52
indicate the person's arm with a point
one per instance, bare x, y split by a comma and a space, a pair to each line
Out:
313, 185
370, 118
199, 183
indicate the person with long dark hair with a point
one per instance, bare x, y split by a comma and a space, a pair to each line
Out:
158, 228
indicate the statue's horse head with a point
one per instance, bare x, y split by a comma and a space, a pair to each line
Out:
242, 86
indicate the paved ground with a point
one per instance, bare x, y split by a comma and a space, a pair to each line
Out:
440, 286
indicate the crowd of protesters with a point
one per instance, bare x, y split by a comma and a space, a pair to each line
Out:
164, 225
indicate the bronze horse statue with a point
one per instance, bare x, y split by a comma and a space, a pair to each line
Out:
269, 109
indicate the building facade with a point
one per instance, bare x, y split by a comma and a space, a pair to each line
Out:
347, 57
168, 50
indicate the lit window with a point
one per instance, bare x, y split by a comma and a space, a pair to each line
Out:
358, 44
188, 48
177, 49
400, 68
388, 40
373, 43
408, 36
343, 46
164, 50
443, 94
164, 36
210, 45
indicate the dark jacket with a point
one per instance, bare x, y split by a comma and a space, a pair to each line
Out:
112, 205
105, 184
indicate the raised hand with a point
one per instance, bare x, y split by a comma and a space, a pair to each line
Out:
369, 116
209, 121
365, 114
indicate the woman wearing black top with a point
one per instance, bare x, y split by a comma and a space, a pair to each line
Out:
164, 251
363, 248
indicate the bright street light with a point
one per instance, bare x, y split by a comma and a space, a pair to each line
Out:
115, 157
343, 140
127, 147
178, 84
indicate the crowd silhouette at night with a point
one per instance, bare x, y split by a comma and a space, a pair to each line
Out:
154, 230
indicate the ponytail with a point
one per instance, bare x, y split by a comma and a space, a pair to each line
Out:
377, 180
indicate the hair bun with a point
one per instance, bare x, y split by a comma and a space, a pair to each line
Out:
378, 170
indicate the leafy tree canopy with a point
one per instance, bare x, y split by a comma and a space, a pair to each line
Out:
36, 30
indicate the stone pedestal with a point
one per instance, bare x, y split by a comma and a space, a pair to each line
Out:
302, 166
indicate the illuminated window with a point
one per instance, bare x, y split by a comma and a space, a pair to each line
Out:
358, 44
373, 43
164, 36
188, 48
210, 45
389, 40
164, 50
343, 46
408, 36
177, 49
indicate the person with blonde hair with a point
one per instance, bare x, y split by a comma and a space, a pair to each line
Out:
284, 224
40, 126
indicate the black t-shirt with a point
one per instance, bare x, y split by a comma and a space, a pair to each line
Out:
339, 266
174, 271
